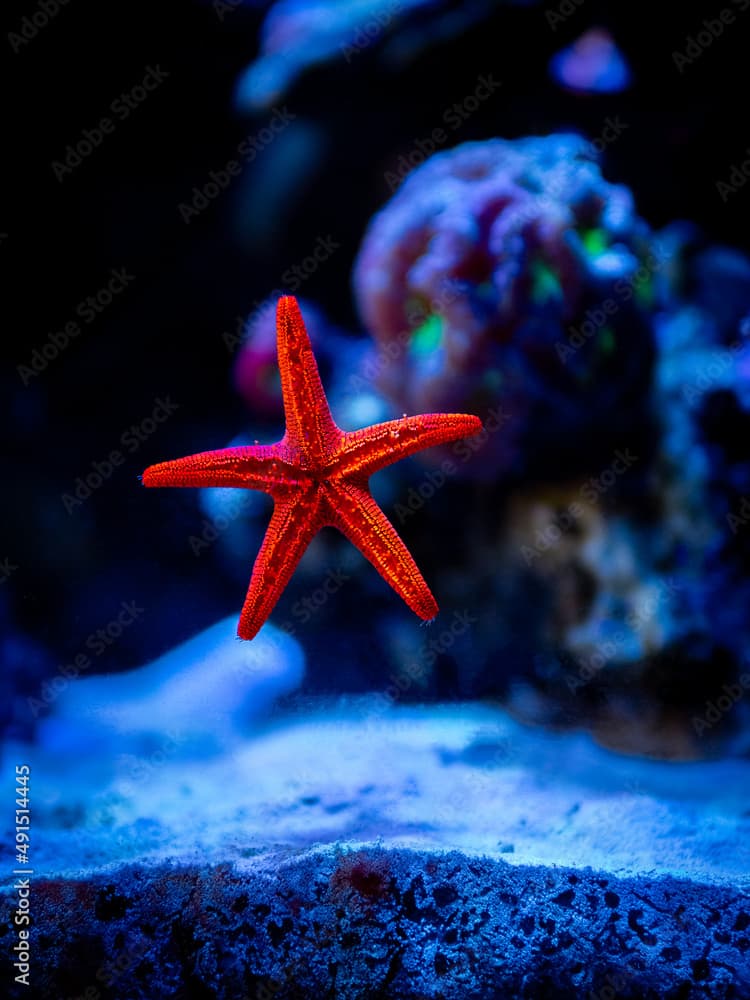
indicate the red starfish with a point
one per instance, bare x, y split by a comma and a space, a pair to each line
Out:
317, 475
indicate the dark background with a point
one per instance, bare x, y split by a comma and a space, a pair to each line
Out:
163, 335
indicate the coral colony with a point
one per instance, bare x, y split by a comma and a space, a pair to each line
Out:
317, 475
296, 36
479, 268
591, 65
508, 278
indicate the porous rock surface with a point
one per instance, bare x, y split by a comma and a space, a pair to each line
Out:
406, 852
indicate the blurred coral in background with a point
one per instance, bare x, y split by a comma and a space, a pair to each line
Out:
512, 273
509, 279
513, 195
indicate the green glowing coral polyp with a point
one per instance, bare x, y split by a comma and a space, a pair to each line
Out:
595, 242
545, 284
644, 292
427, 337
492, 378
607, 340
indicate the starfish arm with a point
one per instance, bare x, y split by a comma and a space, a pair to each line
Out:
295, 521
255, 467
359, 518
310, 428
364, 452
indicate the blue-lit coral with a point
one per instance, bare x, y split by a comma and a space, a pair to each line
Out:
645, 590
350, 365
593, 64
297, 35
703, 391
513, 272
256, 369
206, 695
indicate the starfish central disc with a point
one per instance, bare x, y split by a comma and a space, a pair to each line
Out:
317, 475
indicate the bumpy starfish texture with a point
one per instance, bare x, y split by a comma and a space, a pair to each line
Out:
317, 475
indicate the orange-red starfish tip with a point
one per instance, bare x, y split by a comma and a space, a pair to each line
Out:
317, 475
